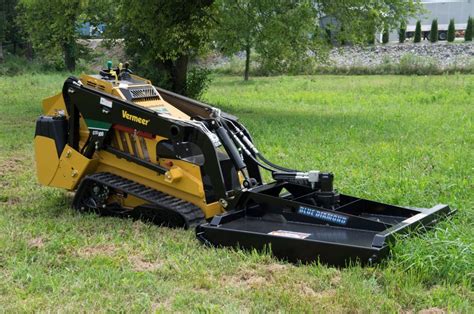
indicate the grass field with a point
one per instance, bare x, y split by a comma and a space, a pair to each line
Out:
395, 139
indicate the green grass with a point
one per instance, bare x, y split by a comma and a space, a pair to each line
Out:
395, 139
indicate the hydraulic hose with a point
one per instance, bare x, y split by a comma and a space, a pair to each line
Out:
248, 153
231, 150
249, 145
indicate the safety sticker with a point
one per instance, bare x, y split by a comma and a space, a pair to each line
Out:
105, 102
161, 110
326, 216
290, 234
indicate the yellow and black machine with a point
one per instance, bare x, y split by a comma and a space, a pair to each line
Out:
131, 149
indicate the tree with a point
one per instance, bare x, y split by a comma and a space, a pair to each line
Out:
385, 35
451, 31
14, 34
417, 38
434, 31
162, 36
285, 34
469, 30
281, 32
52, 26
402, 32
2, 28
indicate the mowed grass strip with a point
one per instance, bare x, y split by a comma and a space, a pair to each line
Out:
395, 139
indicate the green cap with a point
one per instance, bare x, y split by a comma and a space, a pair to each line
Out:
109, 64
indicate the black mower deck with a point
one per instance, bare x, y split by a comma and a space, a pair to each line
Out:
359, 230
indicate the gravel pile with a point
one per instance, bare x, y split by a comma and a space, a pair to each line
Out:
443, 53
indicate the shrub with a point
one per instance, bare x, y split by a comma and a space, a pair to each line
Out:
402, 32
370, 35
18, 65
434, 31
417, 38
468, 32
451, 31
385, 35
197, 82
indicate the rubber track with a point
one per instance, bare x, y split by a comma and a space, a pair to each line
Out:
192, 214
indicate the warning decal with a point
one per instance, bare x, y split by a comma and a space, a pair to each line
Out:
290, 234
105, 102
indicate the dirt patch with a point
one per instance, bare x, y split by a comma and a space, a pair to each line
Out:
276, 268
335, 280
10, 165
432, 310
9, 200
307, 291
326, 293
254, 278
36, 243
246, 279
141, 265
255, 281
163, 305
101, 249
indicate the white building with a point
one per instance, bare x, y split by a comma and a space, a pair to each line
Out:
443, 10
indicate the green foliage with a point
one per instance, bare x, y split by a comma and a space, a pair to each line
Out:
434, 31
469, 30
370, 35
367, 16
402, 32
385, 35
162, 37
451, 31
285, 34
253, 25
417, 38
14, 34
3, 21
15, 65
52, 27
197, 82
2, 28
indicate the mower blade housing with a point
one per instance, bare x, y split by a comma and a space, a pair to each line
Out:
294, 229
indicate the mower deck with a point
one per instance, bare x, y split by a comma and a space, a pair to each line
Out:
358, 230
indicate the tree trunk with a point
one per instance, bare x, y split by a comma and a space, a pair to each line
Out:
247, 63
179, 75
69, 56
29, 51
172, 74
1, 52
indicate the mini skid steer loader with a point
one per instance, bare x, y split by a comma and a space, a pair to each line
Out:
129, 148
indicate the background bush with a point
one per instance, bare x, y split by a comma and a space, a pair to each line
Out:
451, 31
469, 30
417, 38
434, 31
402, 33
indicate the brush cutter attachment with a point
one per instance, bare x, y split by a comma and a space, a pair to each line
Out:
285, 218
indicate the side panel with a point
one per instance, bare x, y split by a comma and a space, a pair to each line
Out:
71, 169
47, 159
